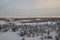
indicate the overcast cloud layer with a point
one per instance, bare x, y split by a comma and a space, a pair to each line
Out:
27, 8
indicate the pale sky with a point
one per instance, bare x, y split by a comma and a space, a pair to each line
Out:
27, 8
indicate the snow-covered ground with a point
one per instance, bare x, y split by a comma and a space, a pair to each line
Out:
9, 36
14, 36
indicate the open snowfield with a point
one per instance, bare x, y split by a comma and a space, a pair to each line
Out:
14, 36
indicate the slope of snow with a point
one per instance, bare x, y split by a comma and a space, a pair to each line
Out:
14, 36
9, 36
2, 22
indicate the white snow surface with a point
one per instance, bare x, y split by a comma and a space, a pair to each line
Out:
14, 36
2, 22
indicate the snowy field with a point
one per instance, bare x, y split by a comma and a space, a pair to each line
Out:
14, 36
10, 35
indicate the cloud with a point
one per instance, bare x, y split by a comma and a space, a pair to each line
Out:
47, 3
32, 12
30, 8
30, 4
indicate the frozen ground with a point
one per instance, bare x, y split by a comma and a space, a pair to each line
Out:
14, 36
